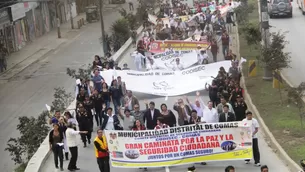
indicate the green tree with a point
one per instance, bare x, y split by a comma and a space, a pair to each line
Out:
252, 33
242, 12
32, 133
62, 99
295, 96
120, 33
81, 73
273, 56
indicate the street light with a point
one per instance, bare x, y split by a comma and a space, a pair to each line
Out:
103, 41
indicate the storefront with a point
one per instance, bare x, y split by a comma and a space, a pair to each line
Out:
6, 34
18, 18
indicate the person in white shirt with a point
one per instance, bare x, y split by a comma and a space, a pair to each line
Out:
138, 60
128, 120
177, 66
152, 65
198, 31
255, 126
203, 57
210, 114
71, 136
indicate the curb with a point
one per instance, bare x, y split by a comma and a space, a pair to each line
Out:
42, 154
271, 141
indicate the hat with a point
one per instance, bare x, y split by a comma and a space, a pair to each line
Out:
238, 96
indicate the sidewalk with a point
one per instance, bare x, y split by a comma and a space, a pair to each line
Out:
46, 44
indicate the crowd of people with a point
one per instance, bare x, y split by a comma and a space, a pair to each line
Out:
114, 107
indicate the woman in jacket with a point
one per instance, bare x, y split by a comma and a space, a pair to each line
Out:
56, 145
116, 95
168, 116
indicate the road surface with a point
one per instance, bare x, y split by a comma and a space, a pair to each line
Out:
295, 36
29, 91
87, 161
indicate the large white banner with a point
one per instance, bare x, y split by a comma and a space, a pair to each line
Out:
168, 83
180, 145
167, 59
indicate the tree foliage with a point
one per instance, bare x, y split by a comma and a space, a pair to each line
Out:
295, 96
32, 133
242, 12
252, 33
81, 73
274, 56
62, 99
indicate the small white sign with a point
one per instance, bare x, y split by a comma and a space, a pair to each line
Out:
265, 17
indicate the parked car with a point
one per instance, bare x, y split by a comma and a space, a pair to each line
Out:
280, 8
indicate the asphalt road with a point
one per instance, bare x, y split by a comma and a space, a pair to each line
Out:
295, 36
29, 91
87, 161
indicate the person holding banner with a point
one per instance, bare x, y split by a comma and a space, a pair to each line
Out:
255, 126
177, 66
138, 60
101, 151
160, 124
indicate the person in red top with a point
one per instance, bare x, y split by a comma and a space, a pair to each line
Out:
138, 126
160, 124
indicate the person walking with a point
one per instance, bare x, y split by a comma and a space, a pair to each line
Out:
56, 145
255, 126
71, 136
101, 151
85, 124
3, 54
226, 116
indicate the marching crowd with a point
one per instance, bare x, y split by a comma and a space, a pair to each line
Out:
114, 107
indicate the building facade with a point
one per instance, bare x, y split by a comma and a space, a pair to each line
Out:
22, 23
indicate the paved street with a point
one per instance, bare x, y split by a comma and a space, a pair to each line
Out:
87, 162
27, 92
295, 27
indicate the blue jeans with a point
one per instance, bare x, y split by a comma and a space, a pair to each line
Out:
116, 104
225, 49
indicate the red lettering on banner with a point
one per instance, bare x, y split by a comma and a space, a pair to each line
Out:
197, 146
161, 150
187, 141
161, 144
211, 138
134, 146
229, 137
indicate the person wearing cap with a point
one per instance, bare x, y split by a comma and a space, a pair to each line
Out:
151, 116
54, 119
240, 107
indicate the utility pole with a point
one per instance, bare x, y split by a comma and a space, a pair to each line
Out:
103, 41
71, 17
57, 19
264, 20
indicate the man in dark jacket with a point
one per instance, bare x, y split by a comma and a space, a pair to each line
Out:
151, 115
226, 116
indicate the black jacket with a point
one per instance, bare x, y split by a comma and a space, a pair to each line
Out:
61, 135
231, 117
116, 122
151, 122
